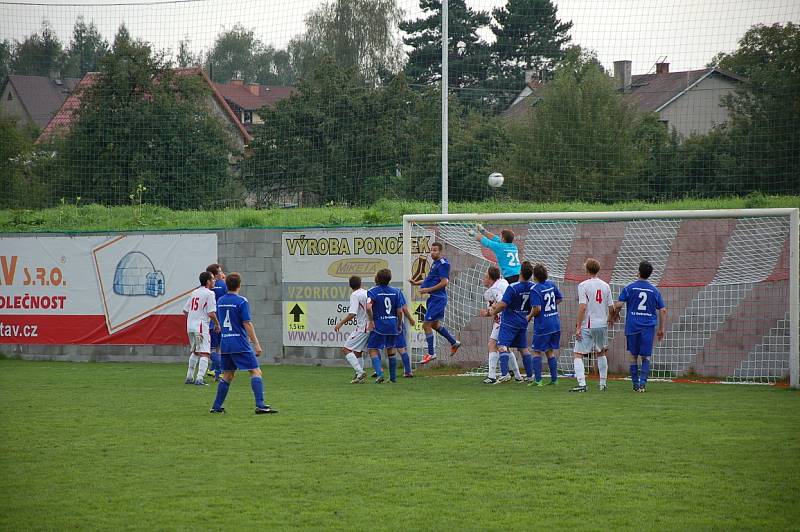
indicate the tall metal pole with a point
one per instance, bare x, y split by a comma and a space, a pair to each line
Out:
445, 135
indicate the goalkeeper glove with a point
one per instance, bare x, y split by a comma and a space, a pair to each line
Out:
480, 228
471, 232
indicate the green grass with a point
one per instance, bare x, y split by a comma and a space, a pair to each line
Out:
129, 446
76, 218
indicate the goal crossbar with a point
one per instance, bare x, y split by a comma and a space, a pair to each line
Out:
792, 214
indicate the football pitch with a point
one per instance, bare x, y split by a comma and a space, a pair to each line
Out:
129, 446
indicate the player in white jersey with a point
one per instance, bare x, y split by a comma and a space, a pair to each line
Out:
356, 342
591, 329
200, 310
495, 288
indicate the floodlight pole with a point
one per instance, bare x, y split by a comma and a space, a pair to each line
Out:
444, 107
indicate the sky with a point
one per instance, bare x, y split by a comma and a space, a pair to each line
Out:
688, 33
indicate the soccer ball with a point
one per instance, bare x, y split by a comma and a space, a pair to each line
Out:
495, 179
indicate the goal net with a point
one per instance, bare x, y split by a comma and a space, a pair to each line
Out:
729, 281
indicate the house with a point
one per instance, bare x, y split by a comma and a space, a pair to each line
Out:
62, 120
246, 99
33, 100
689, 102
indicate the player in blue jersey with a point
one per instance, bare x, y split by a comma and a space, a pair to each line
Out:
435, 285
504, 249
645, 312
515, 307
219, 290
401, 345
385, 314
545, 298
239, 346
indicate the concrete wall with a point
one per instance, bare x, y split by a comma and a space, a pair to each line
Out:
256, 255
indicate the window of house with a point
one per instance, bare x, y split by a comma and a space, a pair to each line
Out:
248, 117
9, 96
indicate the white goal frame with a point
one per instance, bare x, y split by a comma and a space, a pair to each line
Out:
794, 248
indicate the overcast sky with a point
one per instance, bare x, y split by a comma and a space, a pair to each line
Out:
687, 32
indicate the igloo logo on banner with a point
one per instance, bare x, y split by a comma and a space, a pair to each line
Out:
139, 275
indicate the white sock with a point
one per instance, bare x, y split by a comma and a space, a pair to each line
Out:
201, 370
602, 364
355, 363
192, 364
494, 357
579, 372
513, 365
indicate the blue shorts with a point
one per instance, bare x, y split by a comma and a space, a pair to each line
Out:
381, 341
512, 337
434, 311
400, 341
242, 361
546, 342
640, 343
215, 338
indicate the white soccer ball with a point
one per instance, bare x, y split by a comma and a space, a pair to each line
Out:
495, 179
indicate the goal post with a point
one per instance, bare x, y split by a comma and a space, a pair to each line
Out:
729, 279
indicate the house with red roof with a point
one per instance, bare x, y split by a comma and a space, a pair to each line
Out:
215, 103
246, 99
690, 101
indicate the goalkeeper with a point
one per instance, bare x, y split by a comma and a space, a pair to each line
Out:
504, 249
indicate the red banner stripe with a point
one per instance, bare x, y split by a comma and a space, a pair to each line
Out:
159, 329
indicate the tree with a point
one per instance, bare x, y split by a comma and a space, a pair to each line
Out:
239, 54
18, 164
6, 54
468, 54
85, 49
579, 141
765, 111
325, 143
141, 125
529, 37
185, 57
358, 34
40, 54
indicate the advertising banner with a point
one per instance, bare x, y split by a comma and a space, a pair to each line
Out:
316, 269
125, 289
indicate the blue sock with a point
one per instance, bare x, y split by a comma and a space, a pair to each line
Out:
444, 332
216, 363
645, 372
503, 364
635, 374
222, 392
429, 339
406, 363
393, 368
527, 361
258, 390
376, 364
552, 362
537, 368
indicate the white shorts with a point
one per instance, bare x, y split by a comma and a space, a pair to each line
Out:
200, 342
495, 332
595, 339
357, 341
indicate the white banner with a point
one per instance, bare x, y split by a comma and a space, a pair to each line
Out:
126, 289
316, 268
